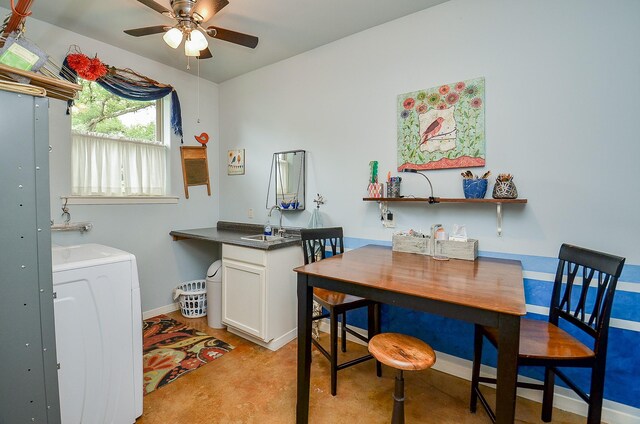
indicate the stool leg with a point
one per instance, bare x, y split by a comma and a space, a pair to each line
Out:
398, 400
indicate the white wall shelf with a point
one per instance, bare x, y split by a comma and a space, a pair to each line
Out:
436, 200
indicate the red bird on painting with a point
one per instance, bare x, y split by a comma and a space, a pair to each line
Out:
432, 129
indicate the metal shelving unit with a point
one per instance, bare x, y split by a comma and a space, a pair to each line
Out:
28, 366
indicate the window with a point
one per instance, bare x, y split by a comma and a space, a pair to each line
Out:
117, 145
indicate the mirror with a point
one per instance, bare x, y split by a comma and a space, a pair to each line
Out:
290, 179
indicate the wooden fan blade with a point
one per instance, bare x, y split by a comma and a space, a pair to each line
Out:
233, 37
139, 32
155, 6
205, 54
208, 8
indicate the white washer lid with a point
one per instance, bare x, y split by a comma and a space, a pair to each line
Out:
86, 255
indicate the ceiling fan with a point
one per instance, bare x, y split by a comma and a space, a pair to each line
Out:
191, 14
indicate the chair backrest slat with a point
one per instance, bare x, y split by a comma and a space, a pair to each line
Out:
587, 276
591, 266
315, 242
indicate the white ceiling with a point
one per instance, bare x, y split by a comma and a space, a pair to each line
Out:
285, 27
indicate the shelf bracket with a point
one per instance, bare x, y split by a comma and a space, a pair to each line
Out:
499, 218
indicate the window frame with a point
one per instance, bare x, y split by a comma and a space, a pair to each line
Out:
163, 137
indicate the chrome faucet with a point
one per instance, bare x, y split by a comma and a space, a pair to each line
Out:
280, 228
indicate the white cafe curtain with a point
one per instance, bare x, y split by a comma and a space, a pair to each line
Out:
107, 166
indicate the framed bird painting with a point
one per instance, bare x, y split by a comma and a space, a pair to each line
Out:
442, 127
235, 162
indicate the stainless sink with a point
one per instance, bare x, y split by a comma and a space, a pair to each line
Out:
262, 237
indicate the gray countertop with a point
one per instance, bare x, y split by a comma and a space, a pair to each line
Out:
232, 233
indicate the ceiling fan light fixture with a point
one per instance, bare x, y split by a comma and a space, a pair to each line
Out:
198, 40
173, 38
190, 49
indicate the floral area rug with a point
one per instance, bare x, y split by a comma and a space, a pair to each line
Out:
172, 349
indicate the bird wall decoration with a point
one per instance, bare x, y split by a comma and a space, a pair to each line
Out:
202, 138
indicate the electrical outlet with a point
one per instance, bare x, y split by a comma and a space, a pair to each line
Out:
250, 213
388, 220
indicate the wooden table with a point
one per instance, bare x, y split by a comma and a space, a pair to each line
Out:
486, 291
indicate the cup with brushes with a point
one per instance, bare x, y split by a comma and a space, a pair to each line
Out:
474, 187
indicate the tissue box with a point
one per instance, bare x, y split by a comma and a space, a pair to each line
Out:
411, 244
467, 250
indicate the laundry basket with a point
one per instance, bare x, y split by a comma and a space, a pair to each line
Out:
193, 298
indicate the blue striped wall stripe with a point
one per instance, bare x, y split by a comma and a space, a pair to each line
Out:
630, 273
354, 243
625, 310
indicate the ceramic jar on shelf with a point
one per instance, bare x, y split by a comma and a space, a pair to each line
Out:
504, 187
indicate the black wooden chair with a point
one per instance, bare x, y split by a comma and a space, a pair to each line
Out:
545, 344
315, 243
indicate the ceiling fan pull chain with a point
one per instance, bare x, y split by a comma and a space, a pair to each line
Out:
198, 94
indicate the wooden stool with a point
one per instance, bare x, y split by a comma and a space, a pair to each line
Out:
404, 353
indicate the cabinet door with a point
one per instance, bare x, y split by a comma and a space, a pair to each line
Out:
243, 297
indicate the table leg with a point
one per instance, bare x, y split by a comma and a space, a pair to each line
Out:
508, 344
373, 328
305, 307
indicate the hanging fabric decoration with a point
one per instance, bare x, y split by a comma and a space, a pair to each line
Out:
121, 82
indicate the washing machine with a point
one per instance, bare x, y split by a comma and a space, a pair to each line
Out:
98, 322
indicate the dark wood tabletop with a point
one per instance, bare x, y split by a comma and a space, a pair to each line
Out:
486, 283
487, 291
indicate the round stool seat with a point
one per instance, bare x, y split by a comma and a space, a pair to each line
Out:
402, 352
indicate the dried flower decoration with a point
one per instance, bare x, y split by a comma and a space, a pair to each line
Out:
95, 70
89, 69
78, 61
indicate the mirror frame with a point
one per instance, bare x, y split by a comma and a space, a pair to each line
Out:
301, 192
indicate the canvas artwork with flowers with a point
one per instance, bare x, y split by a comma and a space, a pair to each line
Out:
442, 127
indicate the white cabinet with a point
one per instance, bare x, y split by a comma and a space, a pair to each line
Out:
243, 288
259, 295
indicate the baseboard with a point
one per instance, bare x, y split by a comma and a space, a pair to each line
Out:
564, 399
273, 345
161, 310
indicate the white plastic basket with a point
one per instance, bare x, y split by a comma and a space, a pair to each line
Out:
193, 298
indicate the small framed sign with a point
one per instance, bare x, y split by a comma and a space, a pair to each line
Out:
235, 162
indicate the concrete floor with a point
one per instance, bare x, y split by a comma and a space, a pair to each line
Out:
251, 384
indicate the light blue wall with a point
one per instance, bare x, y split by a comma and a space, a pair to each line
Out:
561, 107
